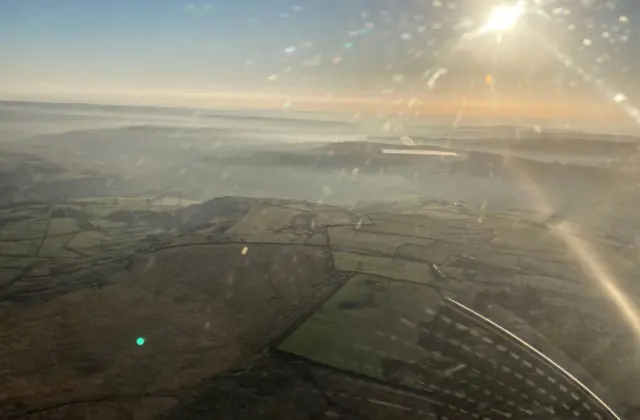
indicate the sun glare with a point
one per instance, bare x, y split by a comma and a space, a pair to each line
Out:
503, 18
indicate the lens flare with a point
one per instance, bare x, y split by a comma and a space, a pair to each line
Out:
488, 79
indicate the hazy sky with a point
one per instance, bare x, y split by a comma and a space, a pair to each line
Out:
183, 52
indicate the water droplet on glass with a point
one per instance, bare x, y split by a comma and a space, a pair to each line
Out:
619, 97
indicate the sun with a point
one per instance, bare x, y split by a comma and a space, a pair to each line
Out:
503, 18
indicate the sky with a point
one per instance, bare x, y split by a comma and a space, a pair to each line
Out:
319, 53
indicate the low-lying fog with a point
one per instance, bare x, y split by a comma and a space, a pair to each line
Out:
204, 154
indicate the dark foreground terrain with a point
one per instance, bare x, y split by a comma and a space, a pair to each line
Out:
261, 308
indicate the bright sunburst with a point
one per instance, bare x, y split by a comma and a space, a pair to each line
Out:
503, 18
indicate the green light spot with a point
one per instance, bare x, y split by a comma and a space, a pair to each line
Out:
140, 341
348, 45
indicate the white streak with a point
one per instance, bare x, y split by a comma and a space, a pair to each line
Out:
417, 152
